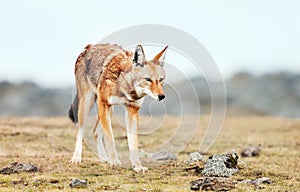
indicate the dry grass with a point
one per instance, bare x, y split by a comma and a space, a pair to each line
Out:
48, 143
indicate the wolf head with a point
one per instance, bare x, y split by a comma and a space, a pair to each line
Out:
149, 75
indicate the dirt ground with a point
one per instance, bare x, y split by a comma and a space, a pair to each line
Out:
48, 143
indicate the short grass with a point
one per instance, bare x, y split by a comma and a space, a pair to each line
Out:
49, 142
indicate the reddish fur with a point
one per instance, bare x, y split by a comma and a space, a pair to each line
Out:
158, 56
102, 71
103, 109
133, 112
156, 87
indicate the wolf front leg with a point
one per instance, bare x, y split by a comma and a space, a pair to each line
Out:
132, 136
108, 137
98, 135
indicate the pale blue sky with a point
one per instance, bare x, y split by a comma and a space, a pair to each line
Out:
40, 40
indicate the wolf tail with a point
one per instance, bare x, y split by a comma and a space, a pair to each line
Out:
73, 111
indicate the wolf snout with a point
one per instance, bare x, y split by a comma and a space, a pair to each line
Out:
161, 97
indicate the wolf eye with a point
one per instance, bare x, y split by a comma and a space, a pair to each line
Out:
161, 79
148, 79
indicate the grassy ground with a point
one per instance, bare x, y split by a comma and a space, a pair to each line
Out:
48, 143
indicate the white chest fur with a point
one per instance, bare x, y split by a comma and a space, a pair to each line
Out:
115, 100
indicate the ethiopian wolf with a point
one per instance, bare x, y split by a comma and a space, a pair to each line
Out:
109, 75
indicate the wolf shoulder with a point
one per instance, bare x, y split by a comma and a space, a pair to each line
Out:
94, 59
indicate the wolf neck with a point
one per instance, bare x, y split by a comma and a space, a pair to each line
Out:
126, 85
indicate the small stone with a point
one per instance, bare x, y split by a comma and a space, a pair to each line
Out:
262, 180
29, 168
251, 151
54, 181
196, 156
78, 183
221, 165
164, 156
213, 183
194, 170
241, 164
246, 181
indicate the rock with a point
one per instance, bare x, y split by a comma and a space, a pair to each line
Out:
251, 152
262, 180
29, 168
18, 167
213, 183
194, 170
195, 164
195, 157
221, 165
7, 171
246, 181
78, 183
163, 156
241, 164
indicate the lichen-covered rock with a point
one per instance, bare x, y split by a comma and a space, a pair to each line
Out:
213, 183
251, 151
221, 165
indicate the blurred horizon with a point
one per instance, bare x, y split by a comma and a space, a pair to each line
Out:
272, 94
238, 73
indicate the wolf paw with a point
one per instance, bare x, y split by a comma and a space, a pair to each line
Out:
75, 160
114, 162
140, 169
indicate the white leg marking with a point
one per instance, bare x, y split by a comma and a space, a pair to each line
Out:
110, 145
132, 136
78, 147
89, 99
100, 145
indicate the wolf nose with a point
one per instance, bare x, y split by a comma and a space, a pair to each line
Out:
161, 97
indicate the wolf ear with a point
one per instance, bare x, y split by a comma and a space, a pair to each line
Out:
160, 57
139, 56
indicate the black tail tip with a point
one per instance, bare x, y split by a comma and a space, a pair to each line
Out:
71, 114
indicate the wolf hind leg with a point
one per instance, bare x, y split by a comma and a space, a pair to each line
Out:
86, 103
